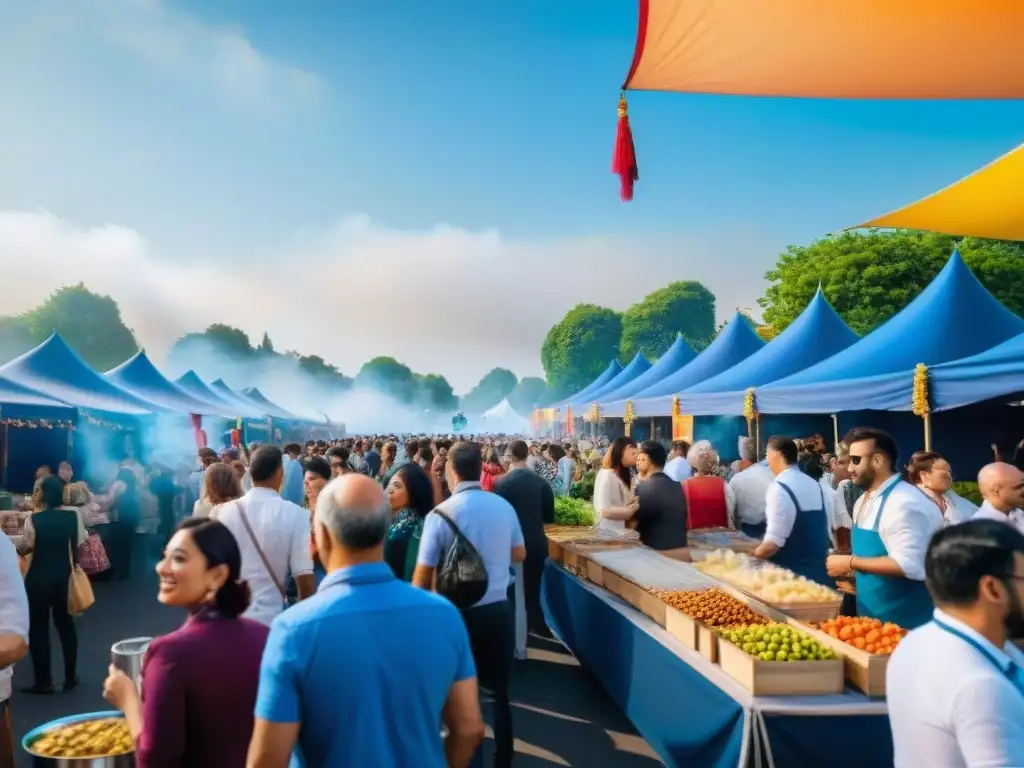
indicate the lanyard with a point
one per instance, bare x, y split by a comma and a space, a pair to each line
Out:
1009, 672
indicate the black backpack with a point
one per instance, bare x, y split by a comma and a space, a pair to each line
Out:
461, 576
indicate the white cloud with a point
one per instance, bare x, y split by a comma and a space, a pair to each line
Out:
445, 300
177, 45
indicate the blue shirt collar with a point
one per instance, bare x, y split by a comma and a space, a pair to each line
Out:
365, 573
466, 485
998, 655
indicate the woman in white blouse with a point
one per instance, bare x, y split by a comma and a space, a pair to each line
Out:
933, 475
613, 499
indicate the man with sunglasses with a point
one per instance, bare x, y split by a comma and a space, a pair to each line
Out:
892, 524
956, 685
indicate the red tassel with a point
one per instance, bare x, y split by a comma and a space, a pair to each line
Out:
624, 157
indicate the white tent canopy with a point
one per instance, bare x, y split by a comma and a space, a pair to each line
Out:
502, 418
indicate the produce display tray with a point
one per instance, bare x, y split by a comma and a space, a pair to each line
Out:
721, 538
780, 678
647, 568
866, 671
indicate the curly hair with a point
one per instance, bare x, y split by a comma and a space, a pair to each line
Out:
703, 457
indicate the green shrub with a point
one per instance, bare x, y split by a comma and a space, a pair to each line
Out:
584, 489
570, 511
969, 491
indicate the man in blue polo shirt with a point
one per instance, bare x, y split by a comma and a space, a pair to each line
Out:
363, 672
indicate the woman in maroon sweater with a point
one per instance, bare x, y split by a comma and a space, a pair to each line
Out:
199, 683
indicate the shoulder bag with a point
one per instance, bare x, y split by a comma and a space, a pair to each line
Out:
240, 505
462, 575
80, 594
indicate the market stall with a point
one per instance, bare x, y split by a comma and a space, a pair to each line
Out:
697, 698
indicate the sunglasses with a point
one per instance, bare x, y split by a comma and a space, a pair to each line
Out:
856, 460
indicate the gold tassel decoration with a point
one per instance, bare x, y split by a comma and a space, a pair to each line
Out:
629, 417
750, 405
922, 399
595, 413
677, 410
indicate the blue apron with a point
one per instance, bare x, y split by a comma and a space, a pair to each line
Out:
1012, 672
808, 543
754, 530
902, 601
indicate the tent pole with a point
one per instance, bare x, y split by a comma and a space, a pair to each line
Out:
3, 456
927, 431
835, 432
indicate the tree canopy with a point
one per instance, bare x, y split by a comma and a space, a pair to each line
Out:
529, 393
869, 277
385, 374
494, 387
437, 394
90, 323
578, 348
650, 326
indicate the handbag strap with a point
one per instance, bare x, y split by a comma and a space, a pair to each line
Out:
451, 523
240, 505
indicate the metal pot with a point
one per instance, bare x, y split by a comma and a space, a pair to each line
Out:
117, 761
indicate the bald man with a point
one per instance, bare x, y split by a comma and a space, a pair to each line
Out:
1002, 487
337, 672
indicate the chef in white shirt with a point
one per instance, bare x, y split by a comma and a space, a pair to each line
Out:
892, 524
1002, 487
956, 685
796, 515
678, 468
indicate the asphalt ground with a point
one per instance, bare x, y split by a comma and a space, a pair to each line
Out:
561, 715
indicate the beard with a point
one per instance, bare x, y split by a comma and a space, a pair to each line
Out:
864, 478
1014, 620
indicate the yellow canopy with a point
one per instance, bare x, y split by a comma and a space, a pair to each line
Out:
845, 49
988, 203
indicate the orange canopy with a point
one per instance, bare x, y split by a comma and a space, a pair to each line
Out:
843, 49
988, 203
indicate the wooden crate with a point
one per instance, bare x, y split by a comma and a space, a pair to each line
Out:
866, 671
708, 642
649, 605
681, 627
780, 678
810, 612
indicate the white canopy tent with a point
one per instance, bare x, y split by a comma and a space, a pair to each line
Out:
502, 418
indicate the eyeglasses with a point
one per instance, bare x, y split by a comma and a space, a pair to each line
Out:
856, 460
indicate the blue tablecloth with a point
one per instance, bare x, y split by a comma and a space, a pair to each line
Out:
689, 711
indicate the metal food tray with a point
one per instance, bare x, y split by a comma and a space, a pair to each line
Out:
650, 569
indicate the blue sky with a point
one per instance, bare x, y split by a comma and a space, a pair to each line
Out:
429, 178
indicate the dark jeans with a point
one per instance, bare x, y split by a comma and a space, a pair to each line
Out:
533, 570
42, 599
491, 629
122, 549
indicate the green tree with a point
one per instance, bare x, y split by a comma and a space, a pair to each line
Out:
530, 392
870, 276
491, 390
266, 346
437, 393
577, 348
15, 338
650, 326
387, 375
91, 324
322, 371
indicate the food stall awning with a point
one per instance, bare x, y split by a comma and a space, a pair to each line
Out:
988, 203
840, 49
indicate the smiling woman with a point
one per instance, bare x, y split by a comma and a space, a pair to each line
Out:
200, 681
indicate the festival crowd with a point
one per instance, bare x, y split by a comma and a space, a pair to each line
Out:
348, 599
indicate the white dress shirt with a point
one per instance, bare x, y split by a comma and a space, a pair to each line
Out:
987, 512
609, 492
282, 529
909, 522
969, 716
780, 512
678, 469
13, 605
750, 488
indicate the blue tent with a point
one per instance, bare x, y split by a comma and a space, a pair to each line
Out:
637, 367
613, 370
55, 370
270, 407
195, 386
816, 334
997, 372
675, 357
14, 395
736, 342
227, 393
138, 374
954, 317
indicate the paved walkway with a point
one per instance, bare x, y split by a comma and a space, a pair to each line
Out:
561, 714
